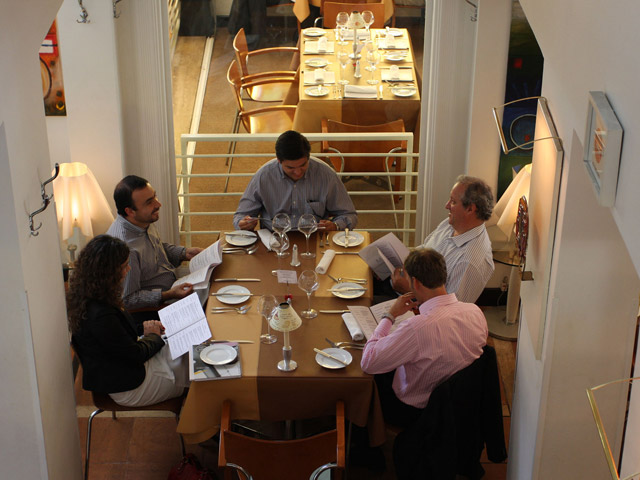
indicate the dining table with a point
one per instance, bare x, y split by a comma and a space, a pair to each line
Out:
395, 95
263, 392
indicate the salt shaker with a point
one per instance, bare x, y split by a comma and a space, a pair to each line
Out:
295, 262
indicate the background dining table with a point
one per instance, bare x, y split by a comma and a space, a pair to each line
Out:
263, 392
301, 8
385, 107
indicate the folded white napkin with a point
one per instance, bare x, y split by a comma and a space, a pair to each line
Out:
362, 35
399, 75
265, 236
353, 327
311, 77
325, 261
390, 40
322, 44
360, 91
311, 47
400, 44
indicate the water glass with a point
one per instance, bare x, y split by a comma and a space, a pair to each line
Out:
367, 16
341, 22
279, 243
266, 307
281, 223
343, 58
372, 58
308, 282
307, 224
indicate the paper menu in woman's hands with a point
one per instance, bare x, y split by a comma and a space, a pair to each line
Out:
385, 255
185, 325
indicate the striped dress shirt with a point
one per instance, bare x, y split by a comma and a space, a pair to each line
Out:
468, 256
425, 350
153, 263
319, 192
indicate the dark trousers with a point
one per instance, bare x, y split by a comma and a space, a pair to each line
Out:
394, 410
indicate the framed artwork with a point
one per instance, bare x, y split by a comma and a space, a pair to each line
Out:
51, 72
603, 143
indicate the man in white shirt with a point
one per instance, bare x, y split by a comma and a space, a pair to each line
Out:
463, 241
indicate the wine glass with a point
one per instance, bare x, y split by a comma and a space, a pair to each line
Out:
343, 58
281, 223
266, 306
307, 224
342, 19
279, 243
367, 16
373, 57
308, 281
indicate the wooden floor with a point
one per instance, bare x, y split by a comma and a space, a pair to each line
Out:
146, 447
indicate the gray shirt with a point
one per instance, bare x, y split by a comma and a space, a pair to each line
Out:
153, 263
319, 192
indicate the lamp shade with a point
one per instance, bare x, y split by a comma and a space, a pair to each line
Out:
80, 201
285, 318
356, 20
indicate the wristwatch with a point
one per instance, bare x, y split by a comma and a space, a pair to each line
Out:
390, 317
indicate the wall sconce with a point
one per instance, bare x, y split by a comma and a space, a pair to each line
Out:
503, 138
80, 204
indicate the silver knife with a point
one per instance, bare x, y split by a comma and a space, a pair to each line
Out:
237, 280
346, 237
241, 234
340, 290
332, 357
347, 253
234, 294
333, 311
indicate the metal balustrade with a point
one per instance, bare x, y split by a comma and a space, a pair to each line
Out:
404, 213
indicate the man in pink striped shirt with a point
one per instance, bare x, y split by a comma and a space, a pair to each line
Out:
423, 351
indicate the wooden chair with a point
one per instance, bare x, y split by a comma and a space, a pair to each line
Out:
268, 92
104, 403
365, 163
278, 459
331, 10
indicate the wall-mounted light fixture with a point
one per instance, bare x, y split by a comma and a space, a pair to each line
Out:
503, 139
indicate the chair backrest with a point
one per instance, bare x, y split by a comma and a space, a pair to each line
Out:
234, 77
241, 48
362, 163
463, 414
278, 459
331, 10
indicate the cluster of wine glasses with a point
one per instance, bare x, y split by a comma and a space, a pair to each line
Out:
308, 282
266, 307
279, 241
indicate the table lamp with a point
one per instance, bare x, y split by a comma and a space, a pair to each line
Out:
502, 232
80, 204
285, 319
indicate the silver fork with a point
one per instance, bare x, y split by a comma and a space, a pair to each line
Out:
322, 239
361, 281
241, 310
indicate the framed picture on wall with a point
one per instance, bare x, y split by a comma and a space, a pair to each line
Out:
603, 143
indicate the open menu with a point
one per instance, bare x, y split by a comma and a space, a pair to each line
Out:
201, 266
200, 370
369, 317
385, 255
185, 324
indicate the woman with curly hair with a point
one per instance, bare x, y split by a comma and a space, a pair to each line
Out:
133, 371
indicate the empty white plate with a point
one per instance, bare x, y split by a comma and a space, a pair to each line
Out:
316, 91
348, 290
316, 62
233, 299
330, 362
404, 91
218, 354
241, 238
355, 239
313, 32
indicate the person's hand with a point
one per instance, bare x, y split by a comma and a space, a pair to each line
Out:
403, 304
400, 281
327, 225
179, 291
192, 252
248, 223
152, 326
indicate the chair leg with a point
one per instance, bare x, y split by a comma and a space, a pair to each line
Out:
86, 459
232, 150
184, 450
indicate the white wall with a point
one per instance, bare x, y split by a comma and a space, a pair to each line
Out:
589, 331
39, 436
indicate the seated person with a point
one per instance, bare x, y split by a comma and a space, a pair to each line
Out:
444, 337
463, 241
294, 183
133, 371
153, 263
